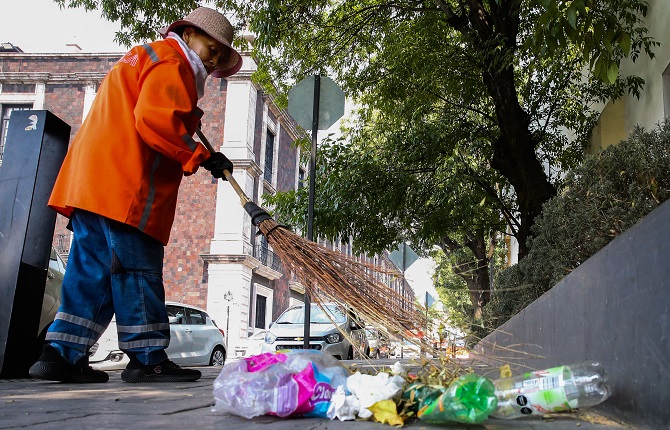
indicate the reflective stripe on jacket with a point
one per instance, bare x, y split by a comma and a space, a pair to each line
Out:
128, 158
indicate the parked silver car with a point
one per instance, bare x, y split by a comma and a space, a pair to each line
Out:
330, 331
195, 340
51, 300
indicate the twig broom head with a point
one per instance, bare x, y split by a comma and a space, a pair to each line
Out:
329, 275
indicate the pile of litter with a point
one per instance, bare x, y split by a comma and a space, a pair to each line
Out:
315, 384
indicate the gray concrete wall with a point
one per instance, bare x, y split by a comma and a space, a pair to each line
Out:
614, 308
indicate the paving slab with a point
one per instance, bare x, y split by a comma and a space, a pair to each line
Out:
42, 405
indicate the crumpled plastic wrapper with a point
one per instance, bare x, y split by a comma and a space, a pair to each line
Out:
287, 383
365, 391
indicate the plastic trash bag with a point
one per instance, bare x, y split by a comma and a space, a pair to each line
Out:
286, 383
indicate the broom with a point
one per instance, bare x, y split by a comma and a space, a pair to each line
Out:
329, 275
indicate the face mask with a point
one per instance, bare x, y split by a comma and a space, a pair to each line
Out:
196, 64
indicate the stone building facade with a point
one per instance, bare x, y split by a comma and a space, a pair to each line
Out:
619, 117
214, 259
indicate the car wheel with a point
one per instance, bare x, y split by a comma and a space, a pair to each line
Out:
218, 357
367, 353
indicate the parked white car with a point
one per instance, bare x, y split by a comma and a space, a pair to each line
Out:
326, 331
195, 340
251, 345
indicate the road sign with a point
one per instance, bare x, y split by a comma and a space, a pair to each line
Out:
301, 102
403, 257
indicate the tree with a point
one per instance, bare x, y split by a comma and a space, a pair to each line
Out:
438, 100
487, 57
505, 47
453, 293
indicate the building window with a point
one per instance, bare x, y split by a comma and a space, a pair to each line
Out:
63, 241
261, 310
261, 302
269, 156
265, 247
205, 273
18, 88
6, 112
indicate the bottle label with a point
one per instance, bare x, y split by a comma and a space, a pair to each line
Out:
543, 393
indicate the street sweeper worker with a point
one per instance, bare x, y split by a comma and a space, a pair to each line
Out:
118, 186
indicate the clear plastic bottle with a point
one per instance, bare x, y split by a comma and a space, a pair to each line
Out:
552, 390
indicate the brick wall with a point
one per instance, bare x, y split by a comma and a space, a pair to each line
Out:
214, 106
66, 101
184, 272
64, 97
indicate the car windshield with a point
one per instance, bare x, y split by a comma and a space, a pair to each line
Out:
317, 316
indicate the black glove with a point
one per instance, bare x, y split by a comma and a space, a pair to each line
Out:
216, 164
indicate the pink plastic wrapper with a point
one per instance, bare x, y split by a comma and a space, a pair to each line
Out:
284, 384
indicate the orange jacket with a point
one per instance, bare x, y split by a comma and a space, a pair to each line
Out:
127, 160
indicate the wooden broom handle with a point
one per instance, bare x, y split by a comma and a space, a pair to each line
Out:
229, 176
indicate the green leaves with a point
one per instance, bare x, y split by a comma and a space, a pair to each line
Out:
605, 32
572, 16
612, 72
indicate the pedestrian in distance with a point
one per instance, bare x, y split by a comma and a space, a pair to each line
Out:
118, 186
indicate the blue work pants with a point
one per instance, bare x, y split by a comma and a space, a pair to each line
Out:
112, 269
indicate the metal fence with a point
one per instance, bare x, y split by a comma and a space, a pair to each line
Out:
267, 257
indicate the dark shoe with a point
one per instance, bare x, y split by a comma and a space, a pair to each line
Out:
53, 367
165, 371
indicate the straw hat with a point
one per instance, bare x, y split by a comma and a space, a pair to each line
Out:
216, 25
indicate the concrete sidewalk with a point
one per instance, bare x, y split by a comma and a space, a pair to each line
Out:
35, 404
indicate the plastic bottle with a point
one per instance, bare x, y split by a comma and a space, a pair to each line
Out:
469, 399
552, 390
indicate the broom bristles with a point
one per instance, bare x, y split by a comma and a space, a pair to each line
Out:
329, 275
